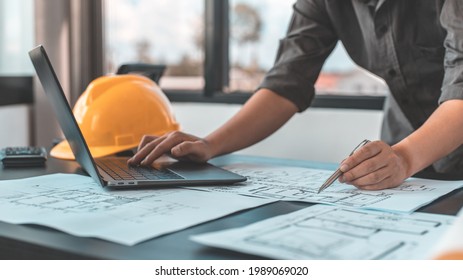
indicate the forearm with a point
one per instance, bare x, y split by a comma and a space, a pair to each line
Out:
440, 135
263, 114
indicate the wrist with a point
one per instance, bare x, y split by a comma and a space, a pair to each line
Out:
403, 152
214, 146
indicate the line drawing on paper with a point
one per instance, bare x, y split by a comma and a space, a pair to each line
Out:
330, 232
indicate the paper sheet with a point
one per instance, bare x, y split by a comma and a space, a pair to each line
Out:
77, 205
451, 242
302, 184
330, 232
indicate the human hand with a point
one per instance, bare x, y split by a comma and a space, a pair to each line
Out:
177, 144
375, 166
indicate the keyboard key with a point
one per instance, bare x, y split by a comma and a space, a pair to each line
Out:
118, 169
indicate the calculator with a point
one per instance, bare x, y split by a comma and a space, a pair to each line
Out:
26, 156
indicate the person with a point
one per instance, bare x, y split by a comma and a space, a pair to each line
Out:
416, 46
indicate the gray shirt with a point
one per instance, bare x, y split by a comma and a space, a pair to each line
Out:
416, 46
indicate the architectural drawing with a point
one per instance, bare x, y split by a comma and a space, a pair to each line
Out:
77, 205
302, 184
328, 232
74, 201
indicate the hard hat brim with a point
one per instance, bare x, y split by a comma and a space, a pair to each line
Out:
63, 150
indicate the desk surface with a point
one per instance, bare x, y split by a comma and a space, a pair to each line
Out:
37, 242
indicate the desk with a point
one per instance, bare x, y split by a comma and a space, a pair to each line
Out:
37, 242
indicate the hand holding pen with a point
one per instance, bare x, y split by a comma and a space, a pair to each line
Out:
338, 171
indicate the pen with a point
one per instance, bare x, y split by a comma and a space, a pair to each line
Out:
338, 172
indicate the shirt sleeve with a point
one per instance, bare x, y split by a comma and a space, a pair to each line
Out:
301, 54
452, 20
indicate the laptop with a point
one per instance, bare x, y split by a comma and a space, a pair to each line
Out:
114, 172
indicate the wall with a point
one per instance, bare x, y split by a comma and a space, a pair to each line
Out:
326, 135
14, 125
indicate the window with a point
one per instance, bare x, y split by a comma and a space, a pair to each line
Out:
215, 47
256, 27
16, 37
163, 32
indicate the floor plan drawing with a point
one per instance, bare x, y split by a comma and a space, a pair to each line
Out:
329, 232
72, 201
76, 205
302, 184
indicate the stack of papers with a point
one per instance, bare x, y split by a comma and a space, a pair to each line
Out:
345, 230
351, 224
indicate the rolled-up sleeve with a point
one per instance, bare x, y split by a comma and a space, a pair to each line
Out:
301, 54
452, 20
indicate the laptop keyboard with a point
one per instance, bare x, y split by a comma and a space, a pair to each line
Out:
119, 170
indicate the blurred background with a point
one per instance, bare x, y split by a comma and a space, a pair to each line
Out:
215, 53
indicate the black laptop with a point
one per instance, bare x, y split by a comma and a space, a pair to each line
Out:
113, 171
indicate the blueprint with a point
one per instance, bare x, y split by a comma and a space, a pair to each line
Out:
78, 206
328, 232
302, 184
452, 240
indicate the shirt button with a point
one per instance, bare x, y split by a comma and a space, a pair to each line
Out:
391, 72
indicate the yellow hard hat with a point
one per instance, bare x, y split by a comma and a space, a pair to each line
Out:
114, 113
451, 255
